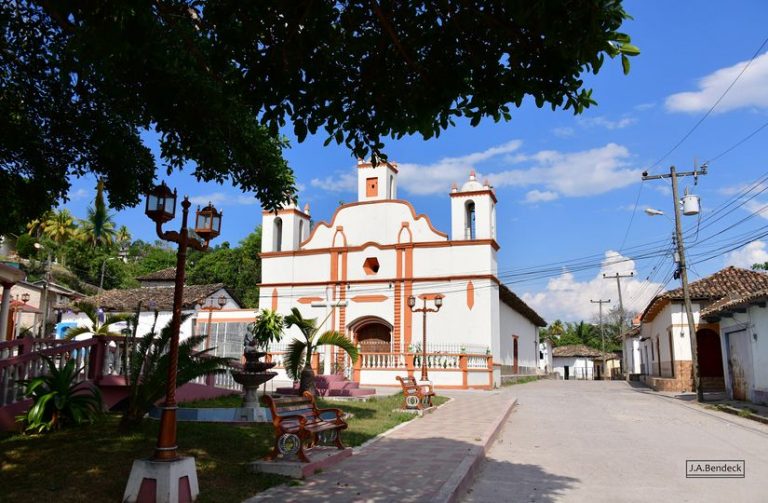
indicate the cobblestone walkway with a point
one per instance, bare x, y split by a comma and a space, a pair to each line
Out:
412, 463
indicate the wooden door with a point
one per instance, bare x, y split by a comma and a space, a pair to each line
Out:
740, 364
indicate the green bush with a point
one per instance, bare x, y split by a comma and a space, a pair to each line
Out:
59, 400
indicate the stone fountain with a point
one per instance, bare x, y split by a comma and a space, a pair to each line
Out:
254, 374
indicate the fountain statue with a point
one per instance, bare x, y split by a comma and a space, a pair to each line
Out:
254, 374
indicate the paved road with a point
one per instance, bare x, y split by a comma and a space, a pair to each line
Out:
598, 441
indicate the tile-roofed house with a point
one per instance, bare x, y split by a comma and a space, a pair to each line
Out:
731, 281
743, 330
577, 361
665, 342
160, 297
163, 277
576, 350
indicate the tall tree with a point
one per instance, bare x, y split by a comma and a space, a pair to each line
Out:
217, 79
98, 228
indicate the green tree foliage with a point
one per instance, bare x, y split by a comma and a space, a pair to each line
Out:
98, 228
564, 334
95, 327
267, 328
216, 80
298, 360
58, 399
148, 370
239, 268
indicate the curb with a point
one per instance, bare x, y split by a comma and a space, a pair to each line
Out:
383, 434
463, 476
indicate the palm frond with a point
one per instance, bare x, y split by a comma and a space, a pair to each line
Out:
294, 360
75, 331
334, 338
307, 326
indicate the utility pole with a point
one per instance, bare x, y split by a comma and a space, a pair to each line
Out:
602, 332
618, 286
673, 174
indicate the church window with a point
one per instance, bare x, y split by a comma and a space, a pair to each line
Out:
301, 231
278, 234
371, 266
372, 187
470, 231
391, 186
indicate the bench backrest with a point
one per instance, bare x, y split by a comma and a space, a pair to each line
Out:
292, 405
407, 382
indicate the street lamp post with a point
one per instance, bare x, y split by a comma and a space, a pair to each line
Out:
424, 310
166, 468
210, 307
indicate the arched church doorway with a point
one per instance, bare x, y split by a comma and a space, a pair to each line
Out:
710, 360
373, 335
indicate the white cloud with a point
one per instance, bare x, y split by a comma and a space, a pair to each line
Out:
601, 121
549, 174
644, 106
573, 174
754, 206
751, 90
563, 132
436, 178
754, 253
538, 196
80, 194
567, 299
339, 182
223, 199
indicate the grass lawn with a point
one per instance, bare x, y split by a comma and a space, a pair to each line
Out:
91, 464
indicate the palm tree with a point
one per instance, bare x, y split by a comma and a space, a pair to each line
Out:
266, 329
123, 235
298, 361
148, 369
59, 227
36, 226
97, 327
98, 228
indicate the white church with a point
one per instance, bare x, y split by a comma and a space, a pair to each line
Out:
358, 271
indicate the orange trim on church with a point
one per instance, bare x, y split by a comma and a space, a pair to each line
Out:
309, 300
369, 298
486, 192
385, 201
274, 299
470, 295
368, 244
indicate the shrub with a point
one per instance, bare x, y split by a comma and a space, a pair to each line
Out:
58, 399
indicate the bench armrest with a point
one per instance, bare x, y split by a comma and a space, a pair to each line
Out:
339, 413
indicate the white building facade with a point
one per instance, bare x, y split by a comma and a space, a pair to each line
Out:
376, 253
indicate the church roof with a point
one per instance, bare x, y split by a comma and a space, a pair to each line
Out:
508, 297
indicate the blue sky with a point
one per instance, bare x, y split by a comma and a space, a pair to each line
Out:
567, 185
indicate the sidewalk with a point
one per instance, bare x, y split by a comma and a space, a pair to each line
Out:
427, 459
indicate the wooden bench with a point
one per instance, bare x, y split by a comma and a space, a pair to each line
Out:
415, 396
300, 425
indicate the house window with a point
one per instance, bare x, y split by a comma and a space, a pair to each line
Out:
278, 234
469, 220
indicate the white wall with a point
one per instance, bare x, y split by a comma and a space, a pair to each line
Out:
578, 367
513, 323
753, 325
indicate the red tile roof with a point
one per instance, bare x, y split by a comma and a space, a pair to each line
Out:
731, 281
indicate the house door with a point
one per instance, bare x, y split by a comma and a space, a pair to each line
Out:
739, 364
566, 372
710, 360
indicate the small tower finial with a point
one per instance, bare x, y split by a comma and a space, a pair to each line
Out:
454, 187
306, 208
472, 175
